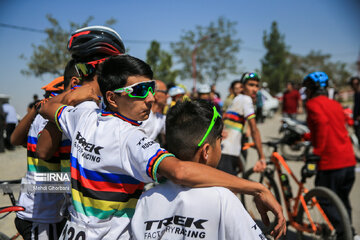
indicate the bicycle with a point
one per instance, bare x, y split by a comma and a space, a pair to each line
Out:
4, 185
305, 211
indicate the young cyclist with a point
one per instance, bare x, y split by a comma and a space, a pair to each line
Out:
170, 211
42, 218
241, 110
330, 139
111, 158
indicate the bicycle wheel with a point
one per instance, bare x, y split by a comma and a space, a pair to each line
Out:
334, 210
3, 236
267, 180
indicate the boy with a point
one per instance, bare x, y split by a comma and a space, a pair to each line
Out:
112, 158
170, 211
241, 110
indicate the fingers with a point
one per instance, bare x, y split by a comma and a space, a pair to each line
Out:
280, 228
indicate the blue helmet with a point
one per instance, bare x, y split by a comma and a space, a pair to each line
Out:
316, 80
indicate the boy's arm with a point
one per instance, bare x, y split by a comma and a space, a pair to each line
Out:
48, 141
255, 134
193, 174
19, 135
72, 98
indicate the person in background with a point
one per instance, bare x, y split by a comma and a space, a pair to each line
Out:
155, 124
292, 103
259, 107
239, 112
234, 90
204, 93
10, 122
355, 85
36, 100
330, 141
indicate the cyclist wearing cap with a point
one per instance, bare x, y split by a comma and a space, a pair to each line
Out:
42, 218
111, 157
330, 140
187, 213
240, 111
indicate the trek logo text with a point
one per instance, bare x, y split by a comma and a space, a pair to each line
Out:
87, 150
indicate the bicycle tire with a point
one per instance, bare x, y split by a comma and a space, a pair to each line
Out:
3, 236
327, 197
247, 200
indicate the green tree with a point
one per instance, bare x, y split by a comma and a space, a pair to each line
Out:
317, 61
275, 67
216, 51
161, 63
51, 56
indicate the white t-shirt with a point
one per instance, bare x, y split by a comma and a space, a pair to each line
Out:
169, 212
240, 110
111, 158
10, 113
154, 125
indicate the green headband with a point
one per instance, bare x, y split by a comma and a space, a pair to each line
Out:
213, 120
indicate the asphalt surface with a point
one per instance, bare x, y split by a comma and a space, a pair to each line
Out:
13, 166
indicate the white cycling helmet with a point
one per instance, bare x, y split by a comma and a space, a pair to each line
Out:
176, 91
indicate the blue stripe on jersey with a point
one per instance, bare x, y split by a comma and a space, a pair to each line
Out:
100, 176
32, 140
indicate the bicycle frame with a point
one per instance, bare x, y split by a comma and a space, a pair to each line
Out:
279, 161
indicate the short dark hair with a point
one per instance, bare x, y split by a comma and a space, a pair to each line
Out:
69, 72
233, 83
354, 78
116, 70
186, 124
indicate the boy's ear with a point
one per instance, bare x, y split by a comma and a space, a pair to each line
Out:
74, 81
110, 97
204, 154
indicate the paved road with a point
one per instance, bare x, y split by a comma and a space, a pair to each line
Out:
13, 165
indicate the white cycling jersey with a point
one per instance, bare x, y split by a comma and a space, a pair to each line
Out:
170, 212
154, 125
240, 110
41, 207
111, 158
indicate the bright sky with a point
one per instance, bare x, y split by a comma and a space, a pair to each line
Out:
331, 26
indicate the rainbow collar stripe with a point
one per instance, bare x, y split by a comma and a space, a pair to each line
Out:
116, 114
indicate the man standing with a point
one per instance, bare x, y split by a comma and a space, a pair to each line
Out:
330, 141
240, 111
155, 124
11, 121
292, 103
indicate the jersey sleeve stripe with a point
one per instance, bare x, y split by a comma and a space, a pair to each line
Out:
157, 163
108, 196
234, 117
58, 113
154, 161
100, 176
105, 186
251, 116
32, 140
85, 206
233, 125
38, 165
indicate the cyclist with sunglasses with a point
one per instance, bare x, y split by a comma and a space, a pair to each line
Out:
112, 158
240, 111
170, 211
